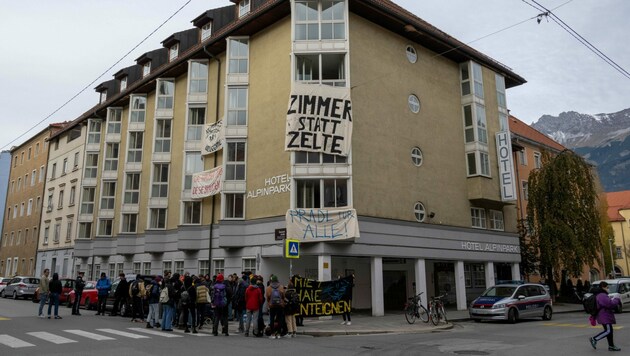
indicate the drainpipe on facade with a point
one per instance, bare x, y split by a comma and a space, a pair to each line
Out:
216, 118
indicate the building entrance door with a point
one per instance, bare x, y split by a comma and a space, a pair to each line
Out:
395, 289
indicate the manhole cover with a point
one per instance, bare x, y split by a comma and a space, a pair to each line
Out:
471, 352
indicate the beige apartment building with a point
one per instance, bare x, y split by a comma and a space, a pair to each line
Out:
619, 218
388, 169
25, 196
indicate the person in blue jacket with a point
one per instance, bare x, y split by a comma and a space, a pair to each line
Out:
102, 286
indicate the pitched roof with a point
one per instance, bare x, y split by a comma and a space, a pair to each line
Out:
521, 130
617, 201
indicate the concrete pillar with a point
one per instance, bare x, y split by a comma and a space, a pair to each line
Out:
460, 286
490, 274
420, 271
376, 277
324, 268
516, 271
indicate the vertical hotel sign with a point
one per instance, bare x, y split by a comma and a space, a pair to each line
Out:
506, 168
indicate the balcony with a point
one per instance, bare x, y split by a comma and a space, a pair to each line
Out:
130, 245
83, 248
192, 238
158, 241
103, 246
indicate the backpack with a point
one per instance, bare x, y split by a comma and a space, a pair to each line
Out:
276, 297
590, 304
164, 295
202, 294
219, 298
135, 288
184, 298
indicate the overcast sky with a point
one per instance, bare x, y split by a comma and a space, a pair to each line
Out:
53, 49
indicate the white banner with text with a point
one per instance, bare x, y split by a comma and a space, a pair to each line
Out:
311, 225
213, 137
207, 183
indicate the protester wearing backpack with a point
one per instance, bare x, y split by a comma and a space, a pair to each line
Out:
203, 298
605, 316
167, 300
121, 294
238, 302
220, 296
253, 303
276, 302
153, 298
137, 294
291, 308
188, 300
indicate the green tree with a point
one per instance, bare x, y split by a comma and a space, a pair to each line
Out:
564, 213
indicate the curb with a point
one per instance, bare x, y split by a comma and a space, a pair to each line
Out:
327, 333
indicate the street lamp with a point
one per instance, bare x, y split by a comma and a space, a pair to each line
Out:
612, 260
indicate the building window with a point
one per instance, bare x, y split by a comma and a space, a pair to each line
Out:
76, 160
135, 267
316, 20
29, 208
69, 229
129, 223
249, 265
478, 163
537, 160
167, 266
525, 189
618, 252
496, 220
159, 188
49, 207
318, 193
412, 55
478, 217
146, 268
123, 84
73, 193
166, 90
474, 275
103, 96
465, 79
416, 156
239, 55
42, 173
193, 164
500, 85
36, 149
303, 157
522, 156
94, 131
60, 201
192, 213
114, 120
57, 232
234, 206
237, 106
206, 31
19, 238
108, 195
91, 165
204, 268
33, 177
243, 8
478, 79
85, 230
414, 104
105, 227
134, 155
475, 125
132, 188
111, 156
419, 211
196, 122
219, 267
173, 52
137, 108
64, 166
146, 69
22, 206
235, 161
87, 200
328, 69
53, 174
112, 270
163, 135
179, 267
198, 78
158, 218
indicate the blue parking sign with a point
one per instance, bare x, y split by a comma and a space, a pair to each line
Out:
292, 249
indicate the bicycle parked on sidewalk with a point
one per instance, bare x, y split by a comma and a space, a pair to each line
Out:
436, 309
415, 310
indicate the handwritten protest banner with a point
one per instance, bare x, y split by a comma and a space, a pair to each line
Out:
310, 225
324, 298
207, 183
213, 137
319, 119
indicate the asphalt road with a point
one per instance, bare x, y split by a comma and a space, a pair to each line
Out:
23, 333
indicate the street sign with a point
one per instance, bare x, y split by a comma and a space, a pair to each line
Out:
292, 249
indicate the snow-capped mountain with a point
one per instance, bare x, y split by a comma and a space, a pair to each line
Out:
603, 139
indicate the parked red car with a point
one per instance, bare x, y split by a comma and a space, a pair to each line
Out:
67, 285
89, 297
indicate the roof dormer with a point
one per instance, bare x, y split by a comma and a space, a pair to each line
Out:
179, 42
152, 59
244, 7
106, 89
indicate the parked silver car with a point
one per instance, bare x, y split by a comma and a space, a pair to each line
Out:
3, 283
20, 287
512, 302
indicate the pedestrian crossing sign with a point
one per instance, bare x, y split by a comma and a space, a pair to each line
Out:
292, 249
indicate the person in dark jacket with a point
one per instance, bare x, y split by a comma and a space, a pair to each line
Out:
189, 306
605, 316
153, 298
177, 285
220, 306
121, 294
168, 306
55, 292
79, 284
103, 285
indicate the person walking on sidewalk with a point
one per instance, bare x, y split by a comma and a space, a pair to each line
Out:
55, 292
347, 320
275, 300
291, 308
79, 284
43, 292
188, 299
137, 293
120, 295
103, 285
605, 316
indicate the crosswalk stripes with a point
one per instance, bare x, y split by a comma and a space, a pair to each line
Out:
55, 339
155, 332
13, 342
123, 333
89, 335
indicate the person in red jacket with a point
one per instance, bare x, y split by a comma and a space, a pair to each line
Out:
253, 301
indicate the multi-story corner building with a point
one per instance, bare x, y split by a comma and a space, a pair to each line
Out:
61, 201
5, 168
365, 132
619, 218
23, 204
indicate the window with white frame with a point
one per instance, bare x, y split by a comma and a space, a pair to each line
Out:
146, 69
33, 177
135, 267
53, 175
206, 31
234, 206
76, 160
416, 156
243, 8
193, 164
173, 52
198, 77
525, 189
146, 268
478, 217
105, 227
318, 193
157, 218
618, 252
478, 80
111, 156
162, 135
19, 238
42, 174
114, 120
129, 223
123, 83
522, 156
323, 68
108, 195
474, 275
85, 230
57, 232
165, 92
500, 85
112, 270
137, 108
159, 186
219, 266
235, 161
73, 193
249, 264
237, 106
196, 122
60, 201
537, 160
304, 157
103, 96
204, 268
132, 188
134, 154
192, 213
414, 103
94, 131
496, 220
167, 266
179, 267
49, 207
478, 163
316, 20
412, 55
29, 208
239, 55
419, 211
91, 165
69, 225
87, 200
503, 122
22, 209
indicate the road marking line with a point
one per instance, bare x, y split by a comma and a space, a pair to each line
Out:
13, 342
3, 318
89, 335
123, 333
616, 327
155, 332
55, 339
